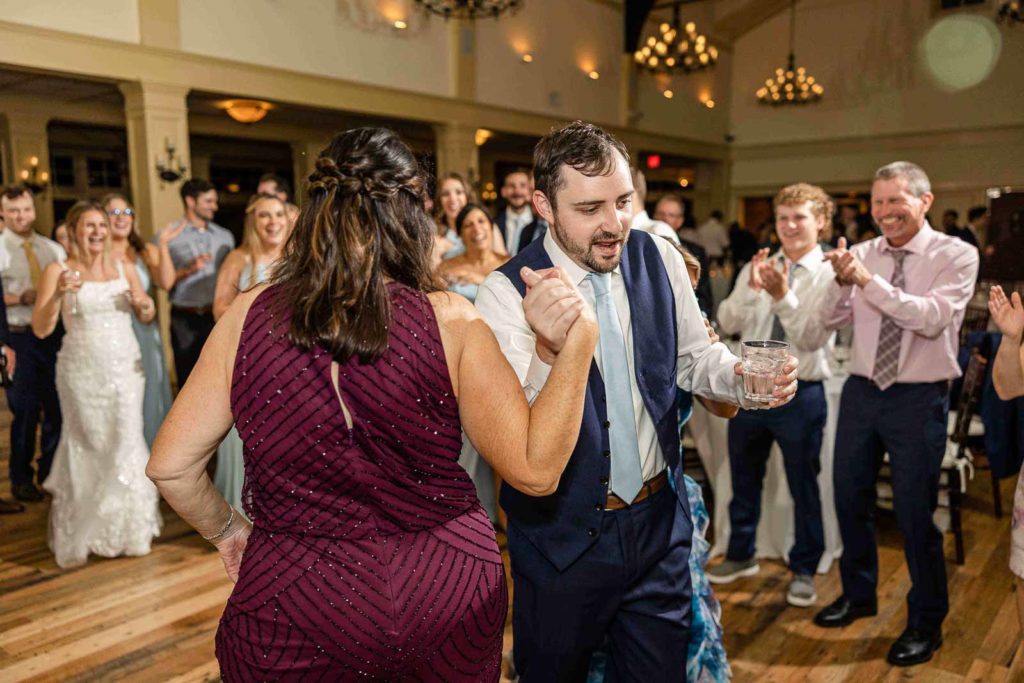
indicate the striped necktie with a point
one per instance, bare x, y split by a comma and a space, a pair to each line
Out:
887, 357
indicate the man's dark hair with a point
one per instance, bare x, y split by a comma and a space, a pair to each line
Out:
716, 214
281, 184
976, 212
12, 192
518, 169
193, 187
951, 212
582, 146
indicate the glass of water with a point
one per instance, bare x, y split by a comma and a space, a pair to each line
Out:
762, 363
71, 298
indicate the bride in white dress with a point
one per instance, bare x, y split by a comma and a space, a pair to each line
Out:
102, 501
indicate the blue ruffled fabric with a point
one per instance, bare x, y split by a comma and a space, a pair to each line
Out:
706, 660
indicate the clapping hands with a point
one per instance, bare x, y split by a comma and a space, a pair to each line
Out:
848, 268
1007, 314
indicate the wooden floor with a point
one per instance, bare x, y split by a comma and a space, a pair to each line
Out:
153, 618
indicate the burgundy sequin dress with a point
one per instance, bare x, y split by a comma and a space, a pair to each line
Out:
370, 557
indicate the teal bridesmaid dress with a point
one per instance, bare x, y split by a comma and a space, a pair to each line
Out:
157, 399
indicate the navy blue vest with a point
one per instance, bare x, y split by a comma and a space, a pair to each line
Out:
564, 525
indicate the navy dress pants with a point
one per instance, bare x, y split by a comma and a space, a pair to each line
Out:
32, 398
189, 332
798, 428
907, 421
632, 585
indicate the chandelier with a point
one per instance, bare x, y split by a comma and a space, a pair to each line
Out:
790, 85
469, 9
676, 48
1011, 12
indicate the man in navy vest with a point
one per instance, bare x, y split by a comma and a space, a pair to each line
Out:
606, 554
517, 224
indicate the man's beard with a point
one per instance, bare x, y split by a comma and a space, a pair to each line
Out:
584, 254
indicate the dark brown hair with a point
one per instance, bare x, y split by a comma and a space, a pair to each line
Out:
12, 192
134, 239
363, 224
464, 213
582, 146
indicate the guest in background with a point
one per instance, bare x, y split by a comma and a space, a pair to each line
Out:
363, 521
9, 360
267, 229
32, 394
950, 222
641, 221
102, 501
848, 224
906, 294
128, 246
978, 218
517, 224
271, 183
1008, 378
463, 275
670, 210
452, 194
714, 238
743, 246
191, 252
775, 298
60, 236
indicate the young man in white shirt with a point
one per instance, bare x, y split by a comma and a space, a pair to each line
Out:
774, 299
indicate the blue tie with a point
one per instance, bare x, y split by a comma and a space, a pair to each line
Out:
627, 479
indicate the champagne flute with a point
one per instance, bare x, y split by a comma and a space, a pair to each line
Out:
72, 277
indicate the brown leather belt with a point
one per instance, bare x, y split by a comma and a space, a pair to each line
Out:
650, 487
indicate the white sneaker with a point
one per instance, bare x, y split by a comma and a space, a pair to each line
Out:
730, 570
801, 591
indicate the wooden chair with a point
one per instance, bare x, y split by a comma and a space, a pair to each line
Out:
965, 424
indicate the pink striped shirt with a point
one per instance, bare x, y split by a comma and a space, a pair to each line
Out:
940, 272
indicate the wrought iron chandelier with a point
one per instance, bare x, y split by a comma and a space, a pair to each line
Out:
676, 48
1011, 12
792, 84
469, 9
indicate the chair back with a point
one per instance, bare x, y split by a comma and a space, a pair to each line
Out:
970, 395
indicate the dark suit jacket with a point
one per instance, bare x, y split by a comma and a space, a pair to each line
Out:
535, 230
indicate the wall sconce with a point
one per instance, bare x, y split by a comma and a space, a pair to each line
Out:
668, 94
246, 111
400, 25
33, 178
593, 75
482, 136
170, 171
527, 58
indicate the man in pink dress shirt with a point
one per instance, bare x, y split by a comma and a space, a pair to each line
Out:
905, 293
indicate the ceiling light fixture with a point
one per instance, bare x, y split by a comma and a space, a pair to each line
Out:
792, 84
677, 47
469, 9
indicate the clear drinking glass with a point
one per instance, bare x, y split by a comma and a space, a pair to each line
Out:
71, 277
762, 363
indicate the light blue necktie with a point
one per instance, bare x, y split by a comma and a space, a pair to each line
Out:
627, 479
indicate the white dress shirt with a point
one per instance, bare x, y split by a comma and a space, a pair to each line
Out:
16, 275
643, 222
703, 368
713, 237
514, 224
751, 313
939, 273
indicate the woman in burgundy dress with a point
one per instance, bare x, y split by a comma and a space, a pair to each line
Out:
349, 378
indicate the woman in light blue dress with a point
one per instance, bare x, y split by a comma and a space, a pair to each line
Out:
128, 246
267, 227
463, 275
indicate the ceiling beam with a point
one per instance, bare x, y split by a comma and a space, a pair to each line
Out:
737, 17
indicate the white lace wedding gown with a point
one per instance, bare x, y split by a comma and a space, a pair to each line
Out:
102, 501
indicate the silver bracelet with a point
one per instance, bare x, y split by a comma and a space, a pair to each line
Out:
224, 529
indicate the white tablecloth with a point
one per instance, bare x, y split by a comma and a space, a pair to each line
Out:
775, 530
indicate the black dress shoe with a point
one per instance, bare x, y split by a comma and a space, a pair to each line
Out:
9, 508
843, 612
27, 493
914, 647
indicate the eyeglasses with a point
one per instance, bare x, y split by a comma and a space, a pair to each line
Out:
122, 212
